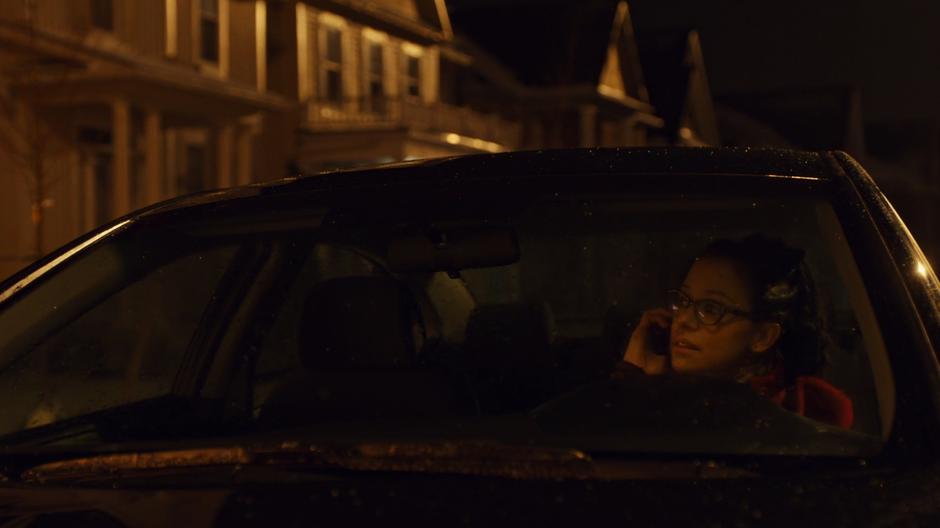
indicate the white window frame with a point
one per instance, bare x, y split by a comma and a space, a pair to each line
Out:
374, 41
327, 23
412, 52
218, 67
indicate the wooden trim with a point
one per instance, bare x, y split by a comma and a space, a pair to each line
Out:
370, 15
444, 16
171, 33
304, 75
261, 45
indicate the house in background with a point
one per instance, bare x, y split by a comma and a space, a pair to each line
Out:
108, 106
572, 77
674, 70
366, 80
128, 103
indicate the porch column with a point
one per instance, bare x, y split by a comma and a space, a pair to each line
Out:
121, 158
224, 146
245, 160
153, 157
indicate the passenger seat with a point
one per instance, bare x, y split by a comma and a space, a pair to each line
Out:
360, 359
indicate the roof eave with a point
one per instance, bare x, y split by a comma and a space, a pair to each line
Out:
369, 14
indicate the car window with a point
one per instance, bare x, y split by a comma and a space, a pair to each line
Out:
528, 338
110, 337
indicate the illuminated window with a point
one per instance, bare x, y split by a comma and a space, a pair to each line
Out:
332, 65
102, 14
209, 30
413, 75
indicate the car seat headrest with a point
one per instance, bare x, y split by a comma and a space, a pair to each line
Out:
359, 322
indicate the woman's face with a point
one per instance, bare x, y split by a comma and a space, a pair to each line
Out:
734, 342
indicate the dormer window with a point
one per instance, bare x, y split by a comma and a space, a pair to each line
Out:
209, 30
102, 14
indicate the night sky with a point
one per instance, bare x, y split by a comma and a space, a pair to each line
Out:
891, 50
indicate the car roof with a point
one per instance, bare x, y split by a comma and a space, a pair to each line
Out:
624, 160
524, 165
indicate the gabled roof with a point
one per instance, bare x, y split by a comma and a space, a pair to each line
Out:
623, 49
549, 43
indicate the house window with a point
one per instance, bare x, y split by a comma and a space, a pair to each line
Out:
102, 14
375, 76
413, 75
332, 65
209, 30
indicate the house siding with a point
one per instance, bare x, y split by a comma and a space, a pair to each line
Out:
140, 123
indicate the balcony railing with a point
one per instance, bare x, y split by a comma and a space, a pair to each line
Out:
415, 114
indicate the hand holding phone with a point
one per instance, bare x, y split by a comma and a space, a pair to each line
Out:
649, 345
658, 340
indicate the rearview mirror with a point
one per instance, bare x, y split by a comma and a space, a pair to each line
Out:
453, 250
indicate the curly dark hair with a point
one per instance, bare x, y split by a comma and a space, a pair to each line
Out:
783, 291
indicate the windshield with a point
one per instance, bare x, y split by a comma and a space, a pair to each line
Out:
506, 320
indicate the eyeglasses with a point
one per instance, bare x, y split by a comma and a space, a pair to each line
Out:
707, 311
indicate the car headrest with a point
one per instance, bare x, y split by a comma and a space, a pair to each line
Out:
359, 322
508, 336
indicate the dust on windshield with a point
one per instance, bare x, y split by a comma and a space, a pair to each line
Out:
624, 323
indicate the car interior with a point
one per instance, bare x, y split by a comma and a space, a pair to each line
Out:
545, 316
415, 315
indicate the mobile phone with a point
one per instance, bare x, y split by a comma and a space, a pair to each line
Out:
659, 339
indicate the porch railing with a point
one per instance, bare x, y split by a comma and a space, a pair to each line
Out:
413, 113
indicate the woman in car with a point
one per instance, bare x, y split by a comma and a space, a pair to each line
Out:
747, 311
